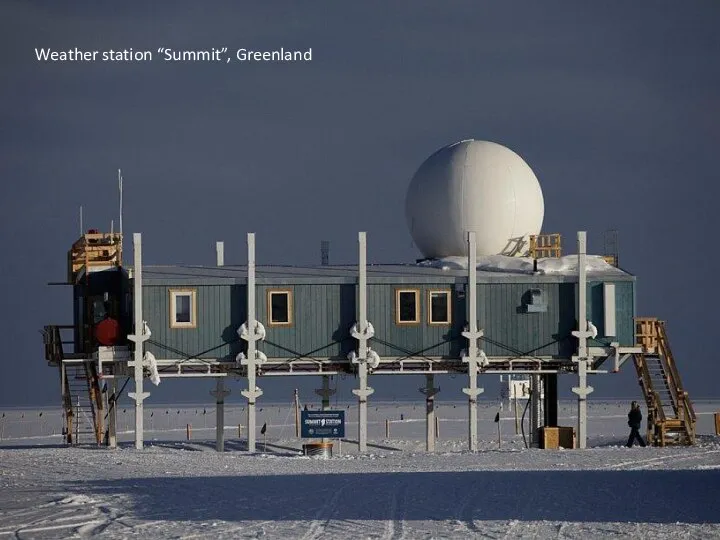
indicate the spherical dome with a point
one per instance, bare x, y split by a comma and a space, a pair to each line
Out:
476, 186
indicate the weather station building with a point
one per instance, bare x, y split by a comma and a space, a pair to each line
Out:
491, 295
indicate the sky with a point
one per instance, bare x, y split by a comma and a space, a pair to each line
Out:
614, 106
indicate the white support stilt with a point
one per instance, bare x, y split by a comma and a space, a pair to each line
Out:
582, 359
253, 392
220, 253
138, 338
112, 413
220, 393
430, 392
474, 353
363, 335
325, 392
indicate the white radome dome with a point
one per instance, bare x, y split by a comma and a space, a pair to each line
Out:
476, 186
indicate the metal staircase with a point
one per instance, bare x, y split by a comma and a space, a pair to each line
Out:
671, 416
82, 400
84, 419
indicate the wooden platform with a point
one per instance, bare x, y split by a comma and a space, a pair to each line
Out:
94, 251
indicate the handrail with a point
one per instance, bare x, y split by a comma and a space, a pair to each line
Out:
654, 400
677, 388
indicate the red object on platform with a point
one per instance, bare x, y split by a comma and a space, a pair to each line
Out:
107, 332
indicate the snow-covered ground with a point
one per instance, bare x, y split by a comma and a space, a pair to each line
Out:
177, 488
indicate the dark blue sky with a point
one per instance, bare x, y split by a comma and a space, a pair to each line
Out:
614, 105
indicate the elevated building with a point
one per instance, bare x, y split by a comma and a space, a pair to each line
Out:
491, 295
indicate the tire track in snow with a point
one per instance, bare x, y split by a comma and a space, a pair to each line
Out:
111, 515
394, 528
34, 529
324, 515
71, 512
651, 462
465, 514
685, 457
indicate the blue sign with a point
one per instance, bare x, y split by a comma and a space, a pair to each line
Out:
322, 424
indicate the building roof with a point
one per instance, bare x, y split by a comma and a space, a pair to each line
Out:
376, 273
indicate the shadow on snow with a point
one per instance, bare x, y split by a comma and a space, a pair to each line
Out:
685, 496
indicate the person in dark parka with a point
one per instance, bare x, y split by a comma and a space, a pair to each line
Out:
634, 421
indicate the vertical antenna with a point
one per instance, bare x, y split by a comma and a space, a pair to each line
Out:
81, 221
325, 252
120, 189
112, 227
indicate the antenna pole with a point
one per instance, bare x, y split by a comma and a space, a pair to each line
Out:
121, 208
81, 221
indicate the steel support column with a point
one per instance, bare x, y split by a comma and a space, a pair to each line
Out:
363, 390
474, 353
252, 392
220, 393
325, 392
138, 338
430, 392
112, 412
582, 359
550, 403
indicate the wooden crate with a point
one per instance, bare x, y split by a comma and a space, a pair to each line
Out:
553, 438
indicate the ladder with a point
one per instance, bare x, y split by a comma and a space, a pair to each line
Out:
82, 404
671, 416
82, 399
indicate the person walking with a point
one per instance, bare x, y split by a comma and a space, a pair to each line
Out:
634, 421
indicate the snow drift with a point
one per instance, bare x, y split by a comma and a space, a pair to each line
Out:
567, 265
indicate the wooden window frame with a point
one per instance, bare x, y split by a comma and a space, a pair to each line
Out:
268, 297
446, 292
174, 293
418, 307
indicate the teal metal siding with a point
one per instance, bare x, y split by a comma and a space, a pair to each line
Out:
323, 314
321, 320
221, 309
625, 312
510, 330
423, 339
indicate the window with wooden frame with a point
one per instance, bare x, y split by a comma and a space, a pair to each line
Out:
407, 306
439, 307
183, 308
280, 307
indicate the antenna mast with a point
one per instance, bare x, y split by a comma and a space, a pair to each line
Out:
120, 189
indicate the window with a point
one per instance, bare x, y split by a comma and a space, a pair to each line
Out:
279, 306
183, 308
407, 308
439, 307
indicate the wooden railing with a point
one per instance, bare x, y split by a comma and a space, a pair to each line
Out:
545, 245
94, 250
651, 336
683, 406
